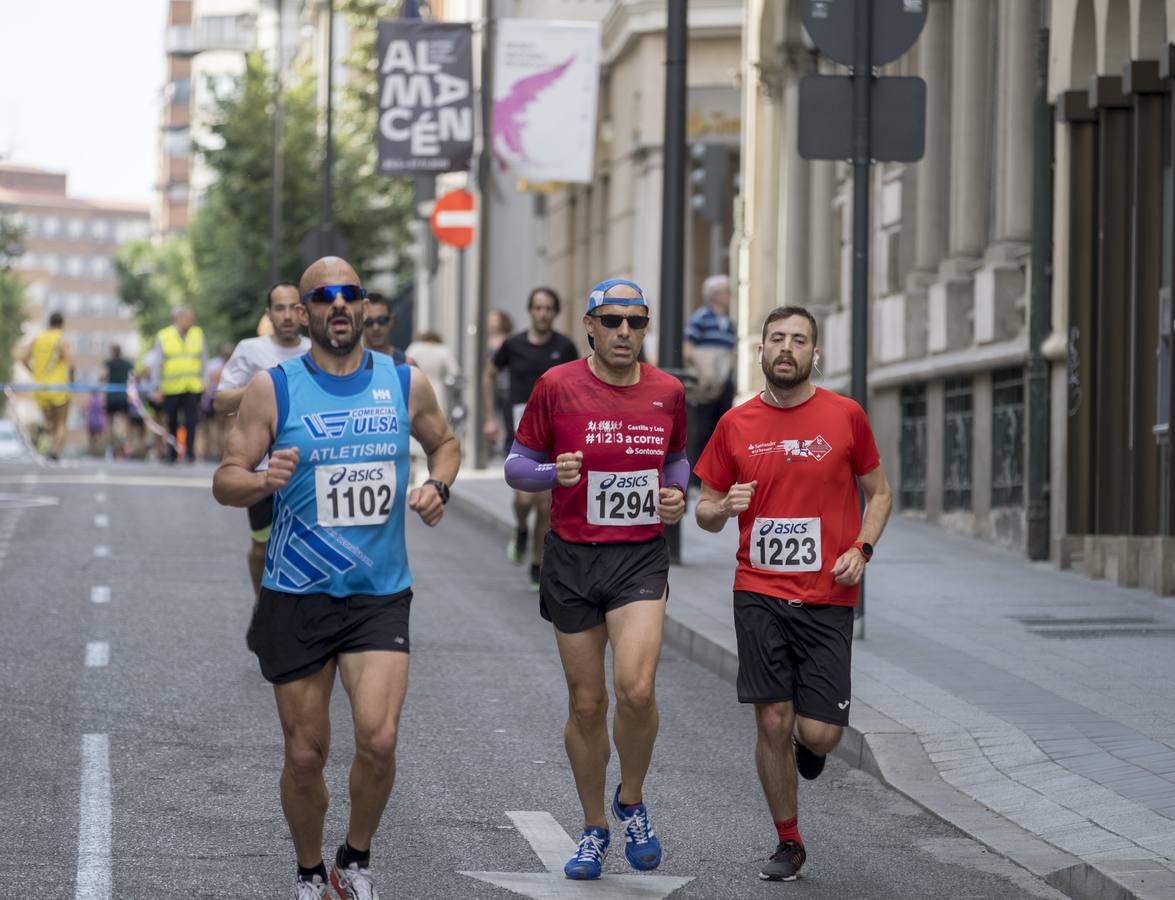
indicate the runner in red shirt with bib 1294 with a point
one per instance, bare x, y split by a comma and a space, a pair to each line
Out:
607, 434
787, 463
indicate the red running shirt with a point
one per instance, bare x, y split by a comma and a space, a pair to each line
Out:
625, 434
804, 513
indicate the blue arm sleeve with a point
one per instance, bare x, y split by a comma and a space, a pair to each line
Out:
676, 471
528, 470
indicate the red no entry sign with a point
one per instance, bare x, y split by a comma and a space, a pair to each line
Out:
453, 218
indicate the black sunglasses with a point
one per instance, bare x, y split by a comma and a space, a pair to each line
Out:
377, 320
327, 293
611, 320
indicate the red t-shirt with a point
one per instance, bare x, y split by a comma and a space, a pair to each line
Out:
625, 434
804, 513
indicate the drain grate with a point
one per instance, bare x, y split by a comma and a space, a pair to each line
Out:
1061, 621
1098, 633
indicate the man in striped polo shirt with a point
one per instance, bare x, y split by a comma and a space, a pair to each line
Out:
709, 355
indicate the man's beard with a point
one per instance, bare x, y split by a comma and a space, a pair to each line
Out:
786, 382
321, 334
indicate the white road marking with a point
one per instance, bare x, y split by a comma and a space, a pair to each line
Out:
101, 520
100, 496
101, 551
93, 881
553, 848
97, 654
100, 593
26, 501
546, 837
201, 482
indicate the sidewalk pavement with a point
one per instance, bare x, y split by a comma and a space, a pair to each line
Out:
1031, 708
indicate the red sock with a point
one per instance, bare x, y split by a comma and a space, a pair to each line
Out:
788, 831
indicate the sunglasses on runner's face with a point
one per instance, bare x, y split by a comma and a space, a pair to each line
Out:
381, 321
608, 320
328, 292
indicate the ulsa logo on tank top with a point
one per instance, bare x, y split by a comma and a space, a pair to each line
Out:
813, 448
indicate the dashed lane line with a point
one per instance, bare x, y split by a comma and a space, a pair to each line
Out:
94, 820
100, 593
97, 654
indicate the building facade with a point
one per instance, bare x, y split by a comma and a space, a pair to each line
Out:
612, 226
1110, 81
951, 253
68, 263
1032, 244
206, 44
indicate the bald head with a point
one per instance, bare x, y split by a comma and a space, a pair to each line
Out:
328, 270
183, 318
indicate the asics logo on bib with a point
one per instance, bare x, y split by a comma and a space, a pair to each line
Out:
624, 481
784, 527
333, 425
356, 475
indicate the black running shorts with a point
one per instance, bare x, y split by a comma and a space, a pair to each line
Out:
581, 583
796, 652
294, 635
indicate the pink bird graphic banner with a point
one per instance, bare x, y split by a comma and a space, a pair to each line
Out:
545, 84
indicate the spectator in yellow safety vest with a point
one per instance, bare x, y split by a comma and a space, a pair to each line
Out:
181, 354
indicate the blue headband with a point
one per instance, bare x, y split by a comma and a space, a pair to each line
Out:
597, 298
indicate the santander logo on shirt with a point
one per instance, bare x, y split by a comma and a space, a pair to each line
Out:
812, 448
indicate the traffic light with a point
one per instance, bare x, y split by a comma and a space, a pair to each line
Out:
710, 180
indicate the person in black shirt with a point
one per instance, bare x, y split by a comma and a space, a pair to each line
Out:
525, 356
117, 372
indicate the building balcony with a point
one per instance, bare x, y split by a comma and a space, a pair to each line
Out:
179, 40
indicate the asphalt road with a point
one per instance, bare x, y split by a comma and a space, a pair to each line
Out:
194, 747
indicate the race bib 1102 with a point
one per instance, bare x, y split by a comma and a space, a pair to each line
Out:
355, 493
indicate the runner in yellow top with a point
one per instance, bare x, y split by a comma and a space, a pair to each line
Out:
50, 360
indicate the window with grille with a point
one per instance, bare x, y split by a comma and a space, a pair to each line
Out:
1007, 437
958, 424
912, 490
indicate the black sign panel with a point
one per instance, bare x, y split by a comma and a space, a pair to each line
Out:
897, 118
425, 73
896, 25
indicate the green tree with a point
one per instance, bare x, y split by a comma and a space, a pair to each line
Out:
153, 279
231, 235
12, 296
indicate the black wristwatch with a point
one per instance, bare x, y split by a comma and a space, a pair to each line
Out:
442, 489
866, 549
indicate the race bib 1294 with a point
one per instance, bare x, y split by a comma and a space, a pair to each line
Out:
623, 498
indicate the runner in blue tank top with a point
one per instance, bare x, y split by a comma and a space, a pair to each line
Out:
336, 591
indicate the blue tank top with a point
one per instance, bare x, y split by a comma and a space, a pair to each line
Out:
338, 525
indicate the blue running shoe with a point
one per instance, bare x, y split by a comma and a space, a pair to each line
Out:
641, 847
588, 862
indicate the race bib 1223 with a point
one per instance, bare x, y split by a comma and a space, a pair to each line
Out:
785, 545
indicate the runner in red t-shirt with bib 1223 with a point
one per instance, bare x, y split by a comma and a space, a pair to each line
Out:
788, 463
606, 435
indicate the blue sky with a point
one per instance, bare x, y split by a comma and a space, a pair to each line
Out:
80, 84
